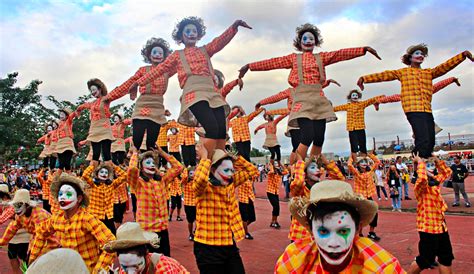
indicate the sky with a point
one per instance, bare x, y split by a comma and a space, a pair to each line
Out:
65, 43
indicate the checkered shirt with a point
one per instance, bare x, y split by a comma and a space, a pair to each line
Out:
175, 187
45, 185
431, 205
173, 141
274, 181
356, 112
225, 90
240, 126
83, 233
95, 109
195, 57
189, 196
152, 212
46, 139
278, 111
417, 85
165, 265
101, 197
7, 214
162, 140
218, 219
310, 68
118, 129
38, 215
302, 256
64, 129
246, 192
286, 94
364, 182
121, 194
186, 135
271, 127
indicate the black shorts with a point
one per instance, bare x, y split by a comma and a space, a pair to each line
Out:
190, 213
119, 211
432, 246
218, 259
19, 251
176, 202
134, 202
247, 212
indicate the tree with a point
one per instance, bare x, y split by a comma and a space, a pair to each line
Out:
255, 152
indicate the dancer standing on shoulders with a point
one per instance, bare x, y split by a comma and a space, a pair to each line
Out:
271, 141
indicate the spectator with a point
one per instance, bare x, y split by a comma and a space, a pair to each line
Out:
261, 171
460, 173
403, 173
286, 182
341, 168
393, 181
380, 183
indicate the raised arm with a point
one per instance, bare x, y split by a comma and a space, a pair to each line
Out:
341, 108
127, 122
121, 177
376, 162
422, 178
351, 167
297, 185
103, 235
218, 43
333, 57
444, 83
244, 171
279, 118
254, 114
225, 90
133, 171
443, 68
282, 95
259, 128
87, 175
232, 114
201, 176
168, 66
334, 173
444, 172
174, 171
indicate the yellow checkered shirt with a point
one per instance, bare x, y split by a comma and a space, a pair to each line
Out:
240, 126
355, 112
364, 182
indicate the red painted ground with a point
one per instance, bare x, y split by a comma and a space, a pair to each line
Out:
398, 232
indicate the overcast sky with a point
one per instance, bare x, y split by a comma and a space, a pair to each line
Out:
65, 43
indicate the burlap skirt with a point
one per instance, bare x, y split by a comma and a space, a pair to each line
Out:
65, 144
100, 130
118, 145
150, 107
270, 141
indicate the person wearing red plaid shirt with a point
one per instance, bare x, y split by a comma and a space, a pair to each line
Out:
271, 141
118, 131
417, 92
200, 103
310, 110
149, 113
44, 182
273, 190
239, 122
189, 200
246, 207
151, 191
219, 225
62, 140
222, 89
173, 143
176, 192
430, 221
46, 154
187, 142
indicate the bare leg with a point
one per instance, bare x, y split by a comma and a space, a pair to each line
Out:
445, 269
302, 151
190, 228
179, 212
315, 151
210, 145
171, 213
220, 144
292, 158
415, 269
246, 227
15, 266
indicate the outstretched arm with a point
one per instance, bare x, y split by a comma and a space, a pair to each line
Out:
122, 90
333, 57
282, 95
279, 111
168, 66
221, 41
372, 101
259, 128
444, 83
284, 62
279, 118
341, 108
443, 68
225, 90
254, 114
388, 75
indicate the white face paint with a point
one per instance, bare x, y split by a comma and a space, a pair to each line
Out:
313, 172
430, 166
148, 165
49, 128
131, 263
225, 172
116, 119
191, 175
363, 164
173, 131
418, 57
157, 55
55, 126
190, 34
62, 116
67, 197
20, 208
334, 236
308, 41
95, 91
103, 174
354, 97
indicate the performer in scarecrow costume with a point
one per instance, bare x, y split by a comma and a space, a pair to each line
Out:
151, 191
241, 130
364, 185
53, 143
175, 192
187, 141
45, 184
103, 181
48, 157
118, 131
355, 121
433, 231
64, 146
219, 225
273, 190
200, 103
306, 175
133, 255
271, 141
333, 214
417, 91
173, 141
149, 112
309, 111
189, 200
246, 205
74, 226
222, 89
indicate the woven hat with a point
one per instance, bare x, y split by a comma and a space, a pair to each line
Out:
130, 234
98, 83
66, 110
70, 180
23, 196
120, 115
59, 260
422, 47
333, 191
109, 169
219, 154
4, 189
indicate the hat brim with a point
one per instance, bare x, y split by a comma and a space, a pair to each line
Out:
421, 47
69, 179
116, 245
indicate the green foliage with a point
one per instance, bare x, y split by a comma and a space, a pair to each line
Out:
256, 153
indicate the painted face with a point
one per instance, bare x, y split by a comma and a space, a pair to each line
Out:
334, 236
190, 34
20, 208
418, 57
157, 55
313, 172
95, 91
103, 174
173, 131
191, 175
148, 165
224, 172
430, 166
363, 164
55, 126
67, 197
62, 116
308, 41
354, 97
131, 263
116, 119
49, 128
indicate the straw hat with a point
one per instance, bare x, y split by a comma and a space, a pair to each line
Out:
98, 83
70, 180
130, 234
120, 115
422, 47
23, 196
109, 169
4, 189
59, 260
333, 191
66, 110
220, 154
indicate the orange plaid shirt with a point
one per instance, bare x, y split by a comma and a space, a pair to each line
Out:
218, 220
121, 194
52, 202
356, 112
152, 211
310, 68
364, 182
195, 57
118, 129
189, 196
46, 139
274, 180
417, 85
225, 90
165, 265
173, 140
162, 140
83, 233
64, 129
302, 257
175, 187
431, 205
102, 196
240, 126
45, 185
286, 94
246, 193
186, 135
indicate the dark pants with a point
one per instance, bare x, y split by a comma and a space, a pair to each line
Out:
374, 221
218, 259
176, 202
189, 155
46, 205
190, 213
134, 202
119, 211
275, 202
275, 151
109, 223
164, 244
152, 130
358, 141
118, 157
243, 148
431, 246
176, 155
422, 124
65, 160
18, 251
312, 131
383, 190
211, 119
52, 162
295, 135
163, 161
101, 147
247, 212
